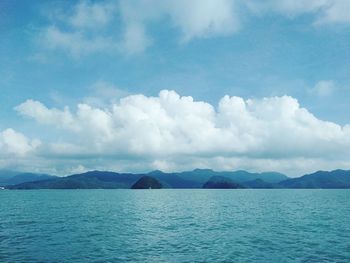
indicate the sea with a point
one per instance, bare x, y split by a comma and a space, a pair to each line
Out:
171, 225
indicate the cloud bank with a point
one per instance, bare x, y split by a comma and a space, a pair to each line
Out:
174, 132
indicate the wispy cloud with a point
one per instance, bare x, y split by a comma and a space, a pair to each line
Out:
75, 43
324, 88
91, 15
323, 11
122, 26
102, 94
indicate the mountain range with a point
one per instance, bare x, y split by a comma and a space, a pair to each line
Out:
198, 178
12, 177
220, 182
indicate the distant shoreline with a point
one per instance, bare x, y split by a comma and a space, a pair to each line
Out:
196, 179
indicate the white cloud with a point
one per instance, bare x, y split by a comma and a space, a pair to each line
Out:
167, 130
324, 88
81, 31
204, 18
123, 26
90, 27
91, 15
324, 11
76, 43
210, 19
289, 8
44, 115
135, 39
337, 12
16, 144
195, 19
103, 93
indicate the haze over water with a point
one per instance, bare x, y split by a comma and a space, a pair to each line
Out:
175, 226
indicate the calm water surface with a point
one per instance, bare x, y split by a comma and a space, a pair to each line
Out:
175, 226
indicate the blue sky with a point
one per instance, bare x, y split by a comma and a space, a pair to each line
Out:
62, 53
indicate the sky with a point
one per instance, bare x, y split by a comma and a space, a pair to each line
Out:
139, 85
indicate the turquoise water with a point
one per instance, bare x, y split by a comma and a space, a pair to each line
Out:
175, 226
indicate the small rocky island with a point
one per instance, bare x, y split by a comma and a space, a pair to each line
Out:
147, 182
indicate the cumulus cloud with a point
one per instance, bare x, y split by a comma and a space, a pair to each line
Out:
16, 144
18, 151
167, 130
42, 114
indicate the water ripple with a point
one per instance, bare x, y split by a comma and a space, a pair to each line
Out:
175, 226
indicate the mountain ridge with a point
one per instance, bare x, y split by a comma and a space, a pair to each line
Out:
221, 182
188, 179
335, 179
